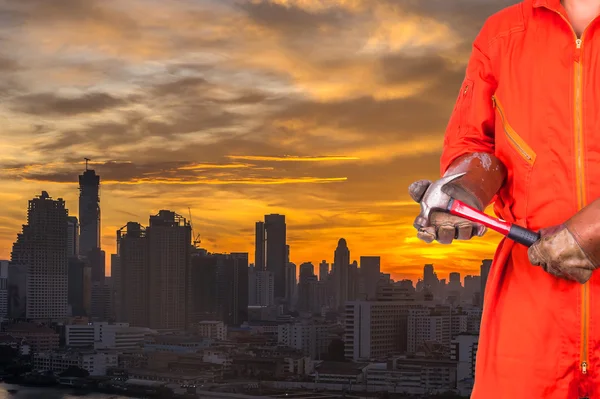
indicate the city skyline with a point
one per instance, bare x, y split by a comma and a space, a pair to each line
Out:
74, 221
240, 118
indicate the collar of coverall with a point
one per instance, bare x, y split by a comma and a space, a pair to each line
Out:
552, 4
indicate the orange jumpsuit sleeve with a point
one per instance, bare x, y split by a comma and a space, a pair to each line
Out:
471, 125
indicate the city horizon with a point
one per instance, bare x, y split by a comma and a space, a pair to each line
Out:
414, 277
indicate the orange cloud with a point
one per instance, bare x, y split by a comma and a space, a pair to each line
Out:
291, 158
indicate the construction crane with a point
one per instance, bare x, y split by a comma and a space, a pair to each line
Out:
196, 238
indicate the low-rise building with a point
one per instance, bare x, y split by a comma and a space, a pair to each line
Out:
102, 335
95, 362
216, 330
40, 338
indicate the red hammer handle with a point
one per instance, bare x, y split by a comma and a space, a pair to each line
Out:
512, 231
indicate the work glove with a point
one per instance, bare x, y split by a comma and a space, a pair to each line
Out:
443, 226
484, 175
570, 250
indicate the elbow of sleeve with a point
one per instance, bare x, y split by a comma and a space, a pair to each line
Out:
452, 152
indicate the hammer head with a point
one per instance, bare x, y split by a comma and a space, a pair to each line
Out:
435, 199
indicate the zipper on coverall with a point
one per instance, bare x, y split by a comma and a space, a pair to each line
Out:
580, 181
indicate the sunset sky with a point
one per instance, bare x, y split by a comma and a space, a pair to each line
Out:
322, 110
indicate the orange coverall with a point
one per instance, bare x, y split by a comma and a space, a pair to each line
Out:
531, 96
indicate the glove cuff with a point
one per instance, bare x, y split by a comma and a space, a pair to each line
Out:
485, 174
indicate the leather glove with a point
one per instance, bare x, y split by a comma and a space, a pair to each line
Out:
444, 227
484, 176
570, 250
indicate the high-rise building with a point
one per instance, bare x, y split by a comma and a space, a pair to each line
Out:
370, 269
3, 289
89, 211
202, 303
291, 283
261, 288
97, 260
90, 238
341, 269
307, 288
277, 251
132, 247
109, 304
260, 247
170, 247
73, 236
373, 330
484, 272
80, 287
40, 256
454, 284
323, 270
115, 274
232, 288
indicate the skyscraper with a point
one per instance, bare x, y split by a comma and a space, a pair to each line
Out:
132, 247
370, 269
89, 211
115, 274
202, 302
89, 237
341, 268
259, 247
291, 283
323, 270
40, 259
3, 288
486, 264
170, 246
232, 288
97, 261
73, 236
80, 287
277, 251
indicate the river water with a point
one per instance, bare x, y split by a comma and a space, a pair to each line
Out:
48, 393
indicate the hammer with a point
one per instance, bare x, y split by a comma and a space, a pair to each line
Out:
435, 199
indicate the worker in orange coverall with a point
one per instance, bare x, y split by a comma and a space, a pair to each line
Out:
526, 130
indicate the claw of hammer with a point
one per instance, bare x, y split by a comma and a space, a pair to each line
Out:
435, 199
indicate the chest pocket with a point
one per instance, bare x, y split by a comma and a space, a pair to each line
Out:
519, 158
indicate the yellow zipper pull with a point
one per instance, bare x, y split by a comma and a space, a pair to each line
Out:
584, 367
578, 43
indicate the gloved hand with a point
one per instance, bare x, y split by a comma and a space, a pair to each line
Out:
484, 176
570, 250
443, 226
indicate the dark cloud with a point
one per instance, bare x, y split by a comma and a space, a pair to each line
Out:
8, 65
187, 106
49, 104
42, 12
290, 19
249, 98
463, 16
400, 68
376, 119
180, 87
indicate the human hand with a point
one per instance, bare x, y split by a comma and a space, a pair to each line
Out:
443, 226
559, 253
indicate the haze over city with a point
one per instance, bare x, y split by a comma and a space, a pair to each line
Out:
324, 111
